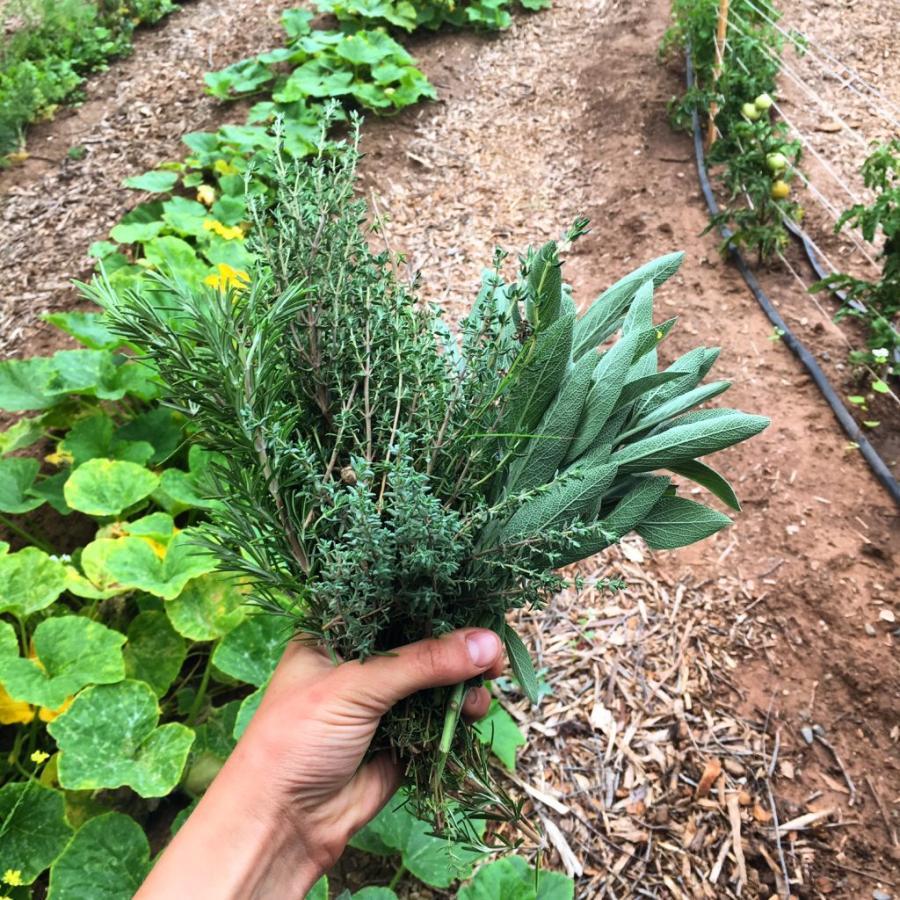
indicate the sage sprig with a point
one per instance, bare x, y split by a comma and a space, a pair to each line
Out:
383, 480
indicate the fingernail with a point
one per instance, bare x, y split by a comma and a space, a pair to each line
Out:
484, 647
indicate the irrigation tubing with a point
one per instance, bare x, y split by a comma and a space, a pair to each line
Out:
878, 466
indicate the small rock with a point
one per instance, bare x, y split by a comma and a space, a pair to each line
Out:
881, 895
870, 629
807, 734
887, 615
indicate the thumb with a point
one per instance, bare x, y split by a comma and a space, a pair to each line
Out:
434, 662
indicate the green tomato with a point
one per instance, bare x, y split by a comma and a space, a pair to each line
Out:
763, 102
777, 162
750, 112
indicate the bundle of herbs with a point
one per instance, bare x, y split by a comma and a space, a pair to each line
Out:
384, 480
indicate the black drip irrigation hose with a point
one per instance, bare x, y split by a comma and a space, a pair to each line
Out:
878, 466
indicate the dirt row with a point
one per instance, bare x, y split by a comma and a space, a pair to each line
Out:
565, 115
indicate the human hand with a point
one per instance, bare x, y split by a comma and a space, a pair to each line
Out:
290, 796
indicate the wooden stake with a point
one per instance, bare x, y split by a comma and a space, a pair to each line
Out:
721, 34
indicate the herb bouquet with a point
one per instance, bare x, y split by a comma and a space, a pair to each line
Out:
383, 481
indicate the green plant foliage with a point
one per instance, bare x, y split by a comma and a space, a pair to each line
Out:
107, 859
431, 859
110, 737
106, 487
34, 829
155, 651
499, 731
250, 651
381, 445
207, 608
512, 878
876, 302
70, 652
45, 56
30, 580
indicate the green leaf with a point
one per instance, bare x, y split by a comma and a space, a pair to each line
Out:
520, 660
250, 652
544, 453
539, 370
319, 890
17, 475
50, 490
136, 232
140, 563
675, 406
609, 379
511, 878
26, 432
374, 893
436, 861
612, 303
34, 829
155, 651
185, 217
631, 510
710, 479
684, 442
545, 286
70, 652
569, 498
208, 608
24, 384
93, 437
30, 580
179, 490
108, 859
880, 386
161, 427
109, 738
249, 706
177, 258
88, 328
641, 385
499, 731
676, 522
153, 182
106, 487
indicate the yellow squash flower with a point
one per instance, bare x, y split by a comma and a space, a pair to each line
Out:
39, 757
14, 712
206, 194
228, 278
59, 458
225, 168
13, 877
235, 232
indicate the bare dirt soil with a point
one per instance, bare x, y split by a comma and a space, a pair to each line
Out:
564, 115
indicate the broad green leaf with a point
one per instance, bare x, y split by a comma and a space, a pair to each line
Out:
185, 217
70, 652
106, 487
17, 475
180, 490
631, 510
511, 878
687, 441
250, 652
208, 608
50, 490
677, 522
543, 454
108, 859
161, 427
499, 731
636, 387
576, 495
88, 328
591, 328
214, 737
34, 830
520, 660
109, 737
155, 651
25, 433
536, 376
710, 479
139, 563
609, 379
374, 893
24, 384
93, 437
248, 708
436, 861
136, 232
319, 890
177, 258
30, 580
152, 182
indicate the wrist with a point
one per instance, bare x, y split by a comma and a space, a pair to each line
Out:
240, 843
